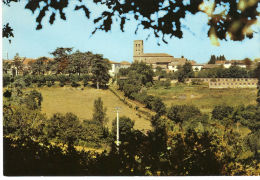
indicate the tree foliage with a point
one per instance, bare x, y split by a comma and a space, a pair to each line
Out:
99, 114
234, 19
185, 72
99, 70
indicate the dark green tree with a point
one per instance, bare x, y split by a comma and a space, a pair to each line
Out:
33, 100
61, 59
181, 113
6, 66
39, 66
125, 127
79, 62
185, 72
222, 111
212, 59
99, 70
99, 112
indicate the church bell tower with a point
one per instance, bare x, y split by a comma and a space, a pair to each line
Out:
138, 49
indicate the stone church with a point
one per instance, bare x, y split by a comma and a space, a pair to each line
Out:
163, 60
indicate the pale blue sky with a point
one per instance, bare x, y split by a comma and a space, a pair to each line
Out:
115, 45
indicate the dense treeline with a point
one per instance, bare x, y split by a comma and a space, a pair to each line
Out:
232, 72
65, 62
48, 80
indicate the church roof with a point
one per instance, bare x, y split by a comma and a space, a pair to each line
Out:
156, 55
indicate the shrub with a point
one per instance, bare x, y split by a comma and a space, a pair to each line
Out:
62, 78
6, 79
41, 81
51, 79
7, 94
167, 84
181, 113
74, 84
28, 80
19, 83
85, 82
61, 84
158, 106
221, 112
75, 78
148, 100
49, 83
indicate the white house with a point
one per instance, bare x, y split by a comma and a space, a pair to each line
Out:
115, 66
197, 67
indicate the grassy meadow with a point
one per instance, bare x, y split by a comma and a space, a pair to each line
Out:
80, 102
203, 97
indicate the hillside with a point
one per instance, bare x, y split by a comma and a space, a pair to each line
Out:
80, 102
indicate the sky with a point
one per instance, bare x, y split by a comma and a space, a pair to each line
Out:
115, 45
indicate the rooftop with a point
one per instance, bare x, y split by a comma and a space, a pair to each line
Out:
155, 55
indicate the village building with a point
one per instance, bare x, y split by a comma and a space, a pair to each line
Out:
197, 67
26, 65
115, 66
165, 61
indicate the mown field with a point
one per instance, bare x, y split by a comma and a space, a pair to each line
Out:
80, 102
203, 97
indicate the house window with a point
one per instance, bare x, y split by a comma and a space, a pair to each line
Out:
248, 83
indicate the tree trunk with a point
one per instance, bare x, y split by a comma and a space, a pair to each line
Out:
97, 85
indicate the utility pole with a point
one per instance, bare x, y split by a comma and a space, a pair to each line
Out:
117, 127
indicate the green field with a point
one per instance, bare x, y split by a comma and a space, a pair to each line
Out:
203, 97
80, 102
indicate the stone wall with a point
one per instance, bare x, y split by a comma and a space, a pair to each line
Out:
215, 83
233, 83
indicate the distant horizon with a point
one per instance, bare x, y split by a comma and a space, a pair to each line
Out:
115, 45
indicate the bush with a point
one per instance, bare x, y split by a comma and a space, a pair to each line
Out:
41, 81
28, 80
85, 82
221, 112
167, 84
158, 106
181, 113
75, 78
6, 79
74, 84
148, 100
7, 94
51, 79
62, 78
19, 83
61, 84
49, 83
